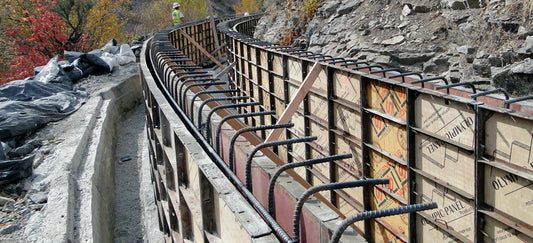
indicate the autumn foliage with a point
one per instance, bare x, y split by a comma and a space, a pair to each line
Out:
38, 30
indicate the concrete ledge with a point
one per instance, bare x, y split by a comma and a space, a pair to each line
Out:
79, 174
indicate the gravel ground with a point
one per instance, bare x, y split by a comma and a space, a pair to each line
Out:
128, 226
22, 199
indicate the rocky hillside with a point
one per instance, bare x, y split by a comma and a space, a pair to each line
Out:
463, 40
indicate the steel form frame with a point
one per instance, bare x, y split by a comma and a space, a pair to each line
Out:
479, 110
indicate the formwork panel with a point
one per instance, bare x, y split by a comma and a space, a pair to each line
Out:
253, 56
322, 135
299, 124
445, 118
292, 90
495, 231
445, 162
387, 98
347, 209
280, 107
509, 193
388, 136
454, 212
346, 86
298, 150
381, 200
277, 64
318, 107
354, 165
347, 120
381, 234
383, 167
264, 57
294, 69
321, 83
509, 139
279, 89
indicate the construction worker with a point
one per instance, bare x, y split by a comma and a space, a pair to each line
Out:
177, 15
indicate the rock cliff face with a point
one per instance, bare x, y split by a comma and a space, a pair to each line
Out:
463, 40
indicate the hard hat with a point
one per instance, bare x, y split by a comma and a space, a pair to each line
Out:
175, 5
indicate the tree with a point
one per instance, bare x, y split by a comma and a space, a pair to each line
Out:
37, 35
247, 6
75, 14
106, 21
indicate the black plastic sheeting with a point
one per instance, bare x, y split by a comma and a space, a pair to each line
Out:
26, 105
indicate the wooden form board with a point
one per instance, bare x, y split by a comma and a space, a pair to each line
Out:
442, 131
454, 212
388, 136
510, 139
387, 99
445, 118
382, 200
446, 163
346, 87
509, 193
495, 231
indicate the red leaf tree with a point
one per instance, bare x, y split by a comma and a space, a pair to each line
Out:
47, 38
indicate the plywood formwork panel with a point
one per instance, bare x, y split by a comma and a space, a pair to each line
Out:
495, 231
280, 106
354, 165
294, 69
346, 86
264, 57
299, 124
321, 83
445, 118
509, 193
318, 107
381, 200
292, 93
381, 234
347, 209
279, 88
387, 98
298, 150
388, 136
509, 139
322, 134
255, 90
454, 212
253, 55
383, 167
445, 162
347, 120
277, 64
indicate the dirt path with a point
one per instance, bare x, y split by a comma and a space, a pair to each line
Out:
128, 226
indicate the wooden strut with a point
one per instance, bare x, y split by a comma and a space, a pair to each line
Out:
201, 49
296, 101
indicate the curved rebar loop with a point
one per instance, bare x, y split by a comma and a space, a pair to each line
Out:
379, 213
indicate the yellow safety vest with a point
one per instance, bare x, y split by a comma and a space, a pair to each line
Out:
176, 17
